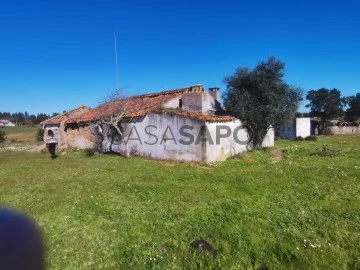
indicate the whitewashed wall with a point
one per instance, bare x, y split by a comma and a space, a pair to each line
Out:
157, 136
345, 130
222, 148
237, 143
175, 137
303, 127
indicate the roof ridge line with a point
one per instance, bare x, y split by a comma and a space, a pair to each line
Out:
172, 91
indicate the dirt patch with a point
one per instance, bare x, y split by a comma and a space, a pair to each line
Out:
23, 147
249, 160
38, 148
277, 155
169, 164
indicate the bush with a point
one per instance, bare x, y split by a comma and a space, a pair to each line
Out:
299, 138
2, 136
311, 138
89, 152
40, 134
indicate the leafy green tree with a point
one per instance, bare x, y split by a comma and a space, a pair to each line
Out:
261, 98
353, 112
325, 103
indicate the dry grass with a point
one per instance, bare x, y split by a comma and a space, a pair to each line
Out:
20, 135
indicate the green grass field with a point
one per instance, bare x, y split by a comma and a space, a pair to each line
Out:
109, 212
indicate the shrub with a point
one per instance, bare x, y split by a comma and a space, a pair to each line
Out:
2, 136
299, 138
40, 134
133, 151
89, 152
311, 138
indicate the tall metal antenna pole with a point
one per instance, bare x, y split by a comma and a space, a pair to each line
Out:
116, 62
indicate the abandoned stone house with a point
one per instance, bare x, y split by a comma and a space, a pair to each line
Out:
58, 125
182, 124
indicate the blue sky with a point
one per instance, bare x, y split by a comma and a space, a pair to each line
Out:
55, 55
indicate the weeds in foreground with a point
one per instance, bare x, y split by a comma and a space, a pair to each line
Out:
89, 152
325, 151
311, 138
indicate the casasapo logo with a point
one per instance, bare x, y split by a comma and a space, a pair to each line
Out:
183, 135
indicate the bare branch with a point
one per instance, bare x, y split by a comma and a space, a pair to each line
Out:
115, 107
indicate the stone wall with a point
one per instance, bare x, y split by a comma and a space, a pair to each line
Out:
80, 136
199, 102
345, 130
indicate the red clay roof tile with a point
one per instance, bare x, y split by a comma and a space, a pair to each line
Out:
62, 117
200, 116
135, 105
207, 117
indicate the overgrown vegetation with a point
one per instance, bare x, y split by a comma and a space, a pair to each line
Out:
108, 212
89, 152
40, 134
326, 151
308, 138
311, 138
170, 110
2, 135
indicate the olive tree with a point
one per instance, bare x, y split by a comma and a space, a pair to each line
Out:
261, 98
